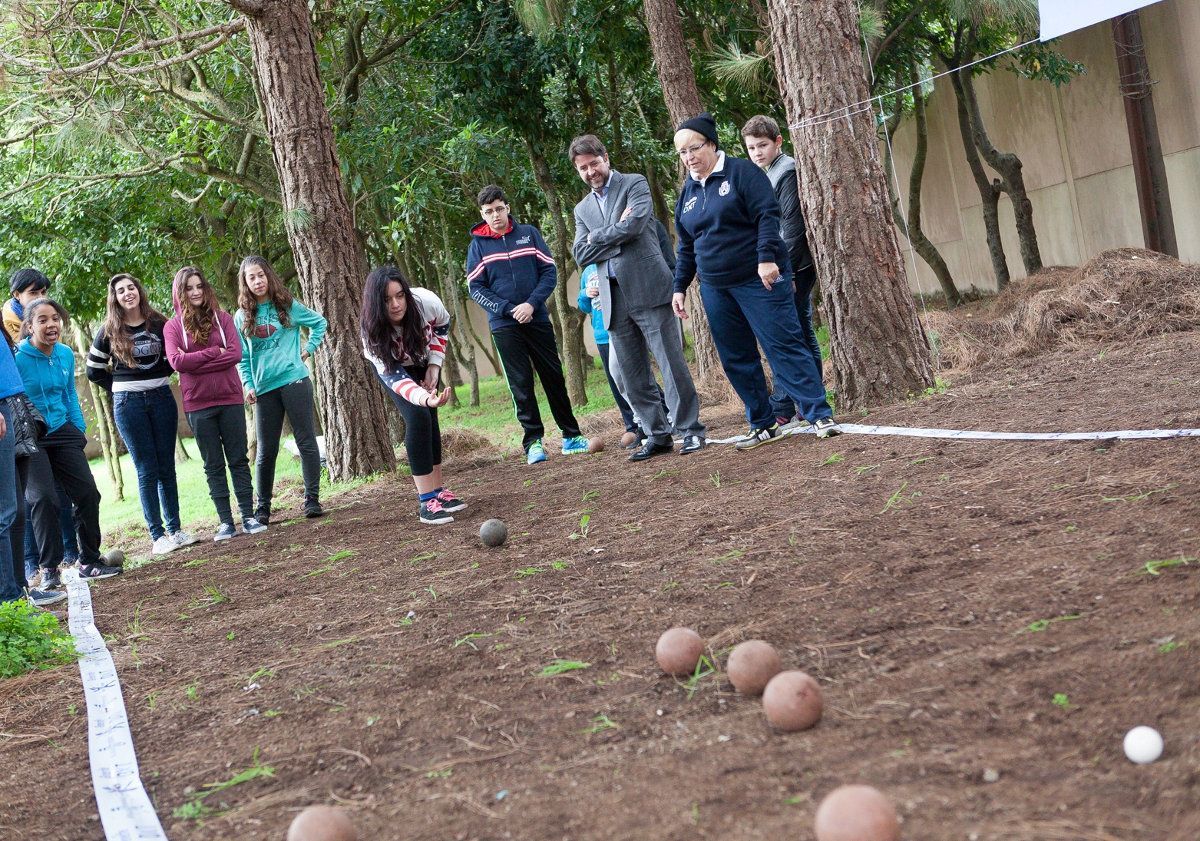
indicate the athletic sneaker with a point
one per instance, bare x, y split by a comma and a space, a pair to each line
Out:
449, 501
788, 424
251, 525
45, 598
163, 545
827, 428
51, 580
536, 453
225, 531
97, 571
758, 437
182, 538
575, 446
434, 513
312, 508
68, 561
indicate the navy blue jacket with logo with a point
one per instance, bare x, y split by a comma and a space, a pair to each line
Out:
509, 269
727, 226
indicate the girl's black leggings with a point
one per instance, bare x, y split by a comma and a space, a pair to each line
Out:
422, 436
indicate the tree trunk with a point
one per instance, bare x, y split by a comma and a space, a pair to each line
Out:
328, 255
570, 319
1013, 180
879, 349
181, 453
989, 190
109, 451
677, 78
910, 223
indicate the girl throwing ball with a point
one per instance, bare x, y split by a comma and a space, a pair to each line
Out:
404, 334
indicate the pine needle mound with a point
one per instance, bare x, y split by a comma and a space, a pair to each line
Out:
1120, 295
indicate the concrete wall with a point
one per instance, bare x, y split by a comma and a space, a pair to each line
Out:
1075, 149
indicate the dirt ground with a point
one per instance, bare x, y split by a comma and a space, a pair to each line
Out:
396, 669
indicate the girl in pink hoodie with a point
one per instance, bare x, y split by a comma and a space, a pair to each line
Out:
203, 346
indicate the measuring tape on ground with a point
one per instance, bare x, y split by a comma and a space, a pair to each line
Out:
981, 435
125, 808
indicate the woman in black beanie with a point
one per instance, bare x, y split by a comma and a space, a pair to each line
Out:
727, 221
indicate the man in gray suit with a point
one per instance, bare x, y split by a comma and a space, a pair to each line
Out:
614, 230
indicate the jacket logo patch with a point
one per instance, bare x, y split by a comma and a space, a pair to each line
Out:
523, 240
689, 204
723, 190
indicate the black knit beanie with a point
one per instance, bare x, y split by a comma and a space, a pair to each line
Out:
23, 279
702, 124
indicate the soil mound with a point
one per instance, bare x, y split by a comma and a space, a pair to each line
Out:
1120, 295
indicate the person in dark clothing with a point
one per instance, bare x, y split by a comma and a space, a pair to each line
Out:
764, 144
727, 222
511, 274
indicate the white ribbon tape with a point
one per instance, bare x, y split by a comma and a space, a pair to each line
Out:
125, 808
980, 435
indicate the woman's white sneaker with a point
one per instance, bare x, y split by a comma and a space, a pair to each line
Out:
163, 545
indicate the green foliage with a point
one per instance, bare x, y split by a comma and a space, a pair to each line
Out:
31, 639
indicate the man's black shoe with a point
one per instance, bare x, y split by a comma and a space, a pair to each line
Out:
650, 449
691, 444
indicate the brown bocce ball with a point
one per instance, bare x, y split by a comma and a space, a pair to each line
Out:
322, 823
595, 445
751, 665
628, 439
857, 813
678, 651
792, 701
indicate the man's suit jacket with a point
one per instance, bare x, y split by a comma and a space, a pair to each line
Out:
630, 248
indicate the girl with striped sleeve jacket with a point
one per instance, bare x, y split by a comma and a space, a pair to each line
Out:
404, 334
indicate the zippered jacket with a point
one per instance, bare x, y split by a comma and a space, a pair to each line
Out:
435, 318
727, 226
509, 269
50, 384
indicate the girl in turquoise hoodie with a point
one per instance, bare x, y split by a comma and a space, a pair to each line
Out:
275, 378
48, 372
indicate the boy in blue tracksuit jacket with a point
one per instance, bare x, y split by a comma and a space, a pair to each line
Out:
510, 273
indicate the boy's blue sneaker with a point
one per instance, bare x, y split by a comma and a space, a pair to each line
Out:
536, 453
575, 446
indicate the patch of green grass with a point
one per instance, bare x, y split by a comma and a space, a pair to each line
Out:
469, 639
1169, 646
1039, 625
898, 498
196, 510
528, 572
31, 639
494, 416
1061, 700
1156, 567
865, 468
558, 667
731, 555
599, 724
1142, 495
195, 807
833, 458
704, 668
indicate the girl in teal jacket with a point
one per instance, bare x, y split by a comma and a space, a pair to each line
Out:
48, 373
275, 377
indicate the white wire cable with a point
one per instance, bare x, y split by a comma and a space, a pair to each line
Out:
857, 107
